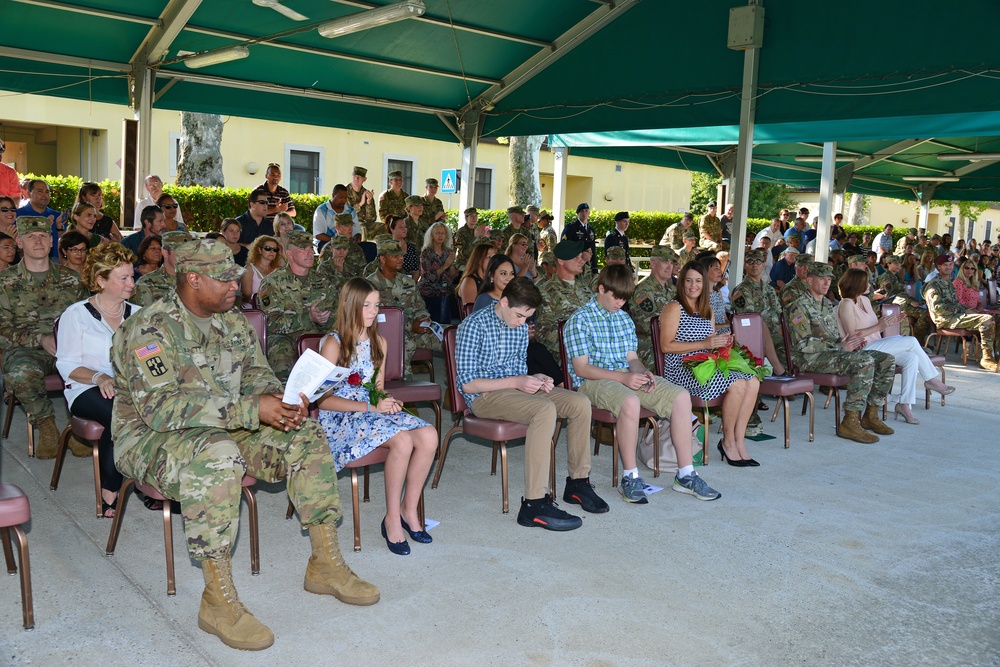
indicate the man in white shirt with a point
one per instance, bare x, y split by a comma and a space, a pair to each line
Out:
772, 232
883, 243
154, 186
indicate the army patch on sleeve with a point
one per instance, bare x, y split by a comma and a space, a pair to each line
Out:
146, 351
740, 301
798, 319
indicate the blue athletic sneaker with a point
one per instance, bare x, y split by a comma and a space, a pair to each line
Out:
695, 486
633, 490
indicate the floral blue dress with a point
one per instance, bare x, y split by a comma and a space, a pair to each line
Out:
352, 435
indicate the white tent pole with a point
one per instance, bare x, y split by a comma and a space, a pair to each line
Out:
560, 155
826, 201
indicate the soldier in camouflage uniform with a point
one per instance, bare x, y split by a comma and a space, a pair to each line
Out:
354, 263
613, 255
196, 408
391, 203
433, 208
373, 266
674, 234
362, 201
909, 239
710, 230
296, 301
861, 262
755, 295
465, 237
947, 313
29, 306
398, 289
817, 347
547, 268
563, 294
517, 225
895, 292
332, 268
689, 251
415, 227
839, 263
797, 286
546, 235
159, 283
650, 296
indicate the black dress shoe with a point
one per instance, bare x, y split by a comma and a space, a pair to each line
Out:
421, 536
751, 463
737, 463
398, 548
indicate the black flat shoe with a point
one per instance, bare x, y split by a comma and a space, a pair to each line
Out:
398, 548
421, 536
736, 463
763, 406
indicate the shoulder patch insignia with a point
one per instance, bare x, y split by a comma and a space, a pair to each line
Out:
642, 297
740, 301
798, 319
146, 351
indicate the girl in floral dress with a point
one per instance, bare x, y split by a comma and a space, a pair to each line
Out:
354, 427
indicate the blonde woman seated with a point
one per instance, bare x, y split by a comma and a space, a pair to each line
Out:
855, 317
686, 328
967, 284
265, 255
355, 428
523, 260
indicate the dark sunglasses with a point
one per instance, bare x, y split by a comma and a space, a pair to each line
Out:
262, 202
169, 205
4, 209
269, 248
754, 261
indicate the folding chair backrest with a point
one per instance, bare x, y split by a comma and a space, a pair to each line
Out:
259, 323
391, 328
889, 310
787, 338
563, 357
451, 367
748, 330
911, 290
465, 310
983, 300
654, 332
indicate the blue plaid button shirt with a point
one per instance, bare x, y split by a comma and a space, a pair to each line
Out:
485, 347
604, 337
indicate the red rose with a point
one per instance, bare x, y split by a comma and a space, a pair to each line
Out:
723, 353
354, 379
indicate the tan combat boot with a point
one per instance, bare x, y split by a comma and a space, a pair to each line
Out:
850, 428
80, 448
48, 439
989, 362
328, 574
873, 422
223, 615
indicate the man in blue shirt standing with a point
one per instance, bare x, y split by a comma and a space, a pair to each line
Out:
491, 352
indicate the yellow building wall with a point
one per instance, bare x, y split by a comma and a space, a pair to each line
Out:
85, 138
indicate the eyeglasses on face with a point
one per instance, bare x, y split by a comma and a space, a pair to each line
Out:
169, 205
4, 209
7, 247
268, 248
78, 251
753, 262
262, 202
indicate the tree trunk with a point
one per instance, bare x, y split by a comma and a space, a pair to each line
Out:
525, 188
200, 158
856, 210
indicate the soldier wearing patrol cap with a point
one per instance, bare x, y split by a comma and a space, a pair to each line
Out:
399, 289
333, 267
563, 294
159, 283
465, 237
197, 407
355, 262
362, 201
650, 296
673, 236
517, 225
755, 295
546, 235
33, 294
415, 227
710, 230
548, 265
948, 313
296, 301
615, 255
818, 348
433, 208
797, 285
391, 203
894, 291
690, 250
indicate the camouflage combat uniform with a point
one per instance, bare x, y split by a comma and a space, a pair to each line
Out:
895, 292
757, 296
285, 299
816, 347
153, 286
391, 205
674, 236
28, 309
354, 263
711, 225
463, 242
186, 421
648, 300
431, 209
402, 292
560, 299
948, 313
371, 226
547, 236
792, 290
334, 279
684, 255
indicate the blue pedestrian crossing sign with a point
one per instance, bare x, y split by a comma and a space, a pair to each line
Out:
449, 181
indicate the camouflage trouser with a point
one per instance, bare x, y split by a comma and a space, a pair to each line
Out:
871, 374
985, 324
411, 342
202, 468
645, 352
282, 353
921, 323
24, 372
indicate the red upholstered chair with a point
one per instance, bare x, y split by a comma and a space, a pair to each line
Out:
374, 457
14, 513
748, 330
830, 380
465, 310
168, 540
88, 431
424, 357
390, 327
258, 320
654, 332
606, 417
497, 431
938, 361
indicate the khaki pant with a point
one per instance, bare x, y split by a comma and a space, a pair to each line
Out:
540, 411
610, 394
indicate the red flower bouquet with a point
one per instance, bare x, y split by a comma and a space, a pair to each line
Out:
703, 365
374, 393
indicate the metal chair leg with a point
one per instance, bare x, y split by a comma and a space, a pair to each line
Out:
168, 548
60, 457
444, 453
27, 604
254, 530
503, 475
356, 506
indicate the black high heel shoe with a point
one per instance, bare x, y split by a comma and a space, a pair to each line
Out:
421, 536
398, 548
737, 463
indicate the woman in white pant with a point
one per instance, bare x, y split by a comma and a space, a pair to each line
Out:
855, 316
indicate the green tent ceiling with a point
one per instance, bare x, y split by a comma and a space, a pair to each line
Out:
559, 66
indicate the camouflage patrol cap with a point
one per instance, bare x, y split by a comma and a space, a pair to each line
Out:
469, 211
360, 171
756, 255
300, 239
857, 258
515, 209
615, 252
690, 235
175, 239
414, 200
664, 252
344, 219
893, 259
389, 247
804, 259
395, 174
482, 240
838, 252
688, 216
33, 223
532, 209
547, 257
821, 269
912, 231
567, 250
431, 181
339, 242
496, 234
208, 257
546, 216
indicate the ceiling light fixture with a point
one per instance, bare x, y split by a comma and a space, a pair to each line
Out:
962, 157
372, 18
930, 179
216, 57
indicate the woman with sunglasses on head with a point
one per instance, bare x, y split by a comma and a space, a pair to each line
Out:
265, 255
104, 226
283, 223
170, 210
967, 284
523, 260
